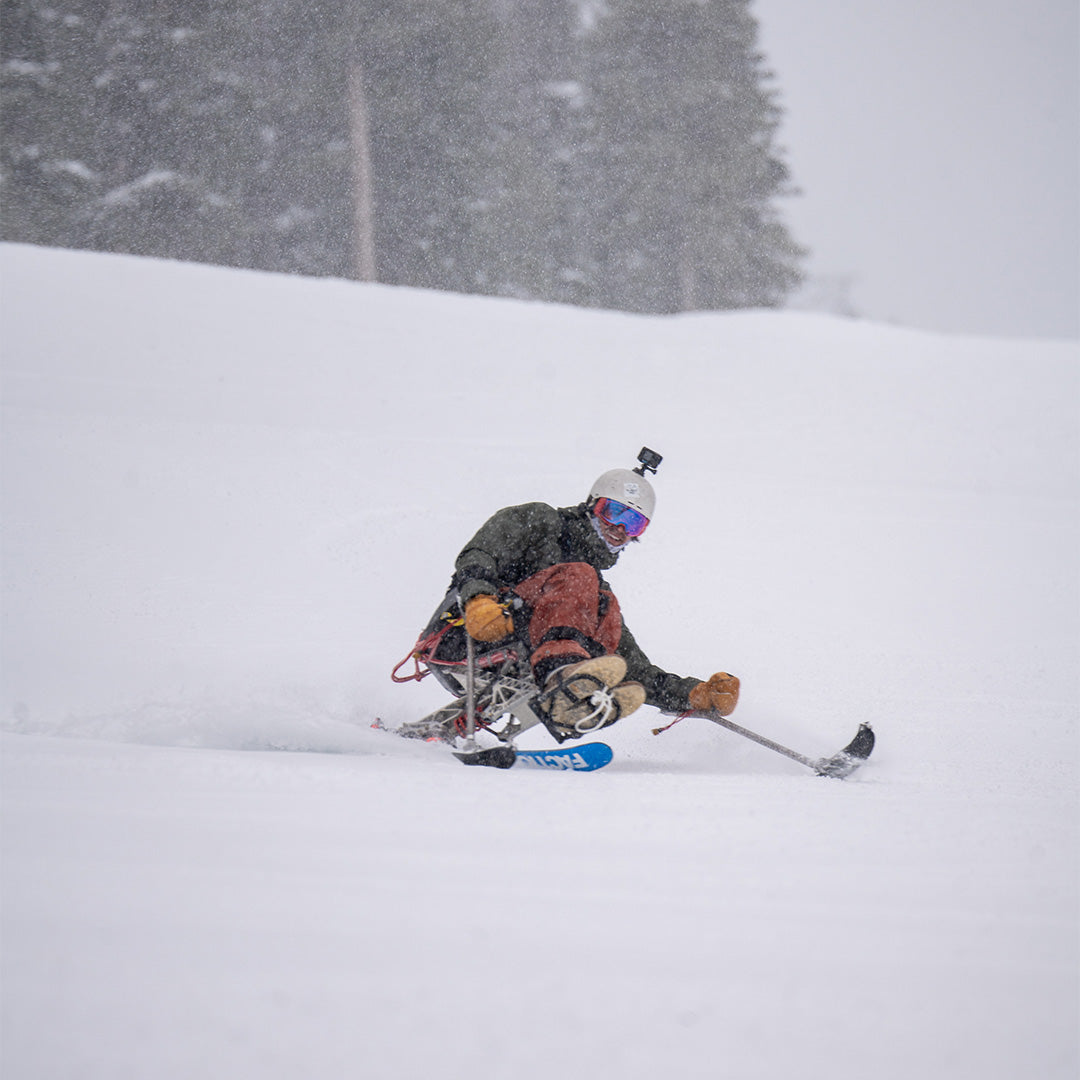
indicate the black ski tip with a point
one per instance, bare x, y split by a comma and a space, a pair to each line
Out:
851, 757
863, 743
496, 757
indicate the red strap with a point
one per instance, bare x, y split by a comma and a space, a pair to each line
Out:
681, 716
417, 673
418, 654
425, 647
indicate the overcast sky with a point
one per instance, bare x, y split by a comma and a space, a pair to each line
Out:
937, 146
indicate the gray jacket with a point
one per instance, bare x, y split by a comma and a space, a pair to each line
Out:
520, 541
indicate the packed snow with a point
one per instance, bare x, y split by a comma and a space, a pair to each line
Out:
231, 500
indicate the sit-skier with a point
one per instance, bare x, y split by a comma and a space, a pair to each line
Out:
536, 571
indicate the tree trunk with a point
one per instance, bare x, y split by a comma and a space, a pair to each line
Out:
688, 298
363, 200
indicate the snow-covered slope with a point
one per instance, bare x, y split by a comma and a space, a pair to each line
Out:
231, 499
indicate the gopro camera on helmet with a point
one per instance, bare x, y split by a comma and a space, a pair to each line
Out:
650, 461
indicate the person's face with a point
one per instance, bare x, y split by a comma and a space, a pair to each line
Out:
617, 522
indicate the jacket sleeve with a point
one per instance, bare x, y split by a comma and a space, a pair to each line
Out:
662, 689
511, 545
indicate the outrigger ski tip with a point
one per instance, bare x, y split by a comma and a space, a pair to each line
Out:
851, 757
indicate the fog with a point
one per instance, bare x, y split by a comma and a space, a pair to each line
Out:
936, 148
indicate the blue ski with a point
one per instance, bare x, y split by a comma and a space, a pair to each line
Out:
584, 758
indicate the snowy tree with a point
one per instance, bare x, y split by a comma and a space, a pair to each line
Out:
687, 161
617, 154
174, 129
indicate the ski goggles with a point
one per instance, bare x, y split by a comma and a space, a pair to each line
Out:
617, 513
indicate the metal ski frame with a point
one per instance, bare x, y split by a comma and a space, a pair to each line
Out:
470, 694
503, 756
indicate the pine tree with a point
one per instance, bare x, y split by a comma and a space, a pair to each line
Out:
188, 130
687, 160
527, 181
92, 148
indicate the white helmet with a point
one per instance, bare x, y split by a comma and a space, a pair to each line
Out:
625, 486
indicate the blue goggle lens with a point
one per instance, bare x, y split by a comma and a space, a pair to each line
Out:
617, 513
